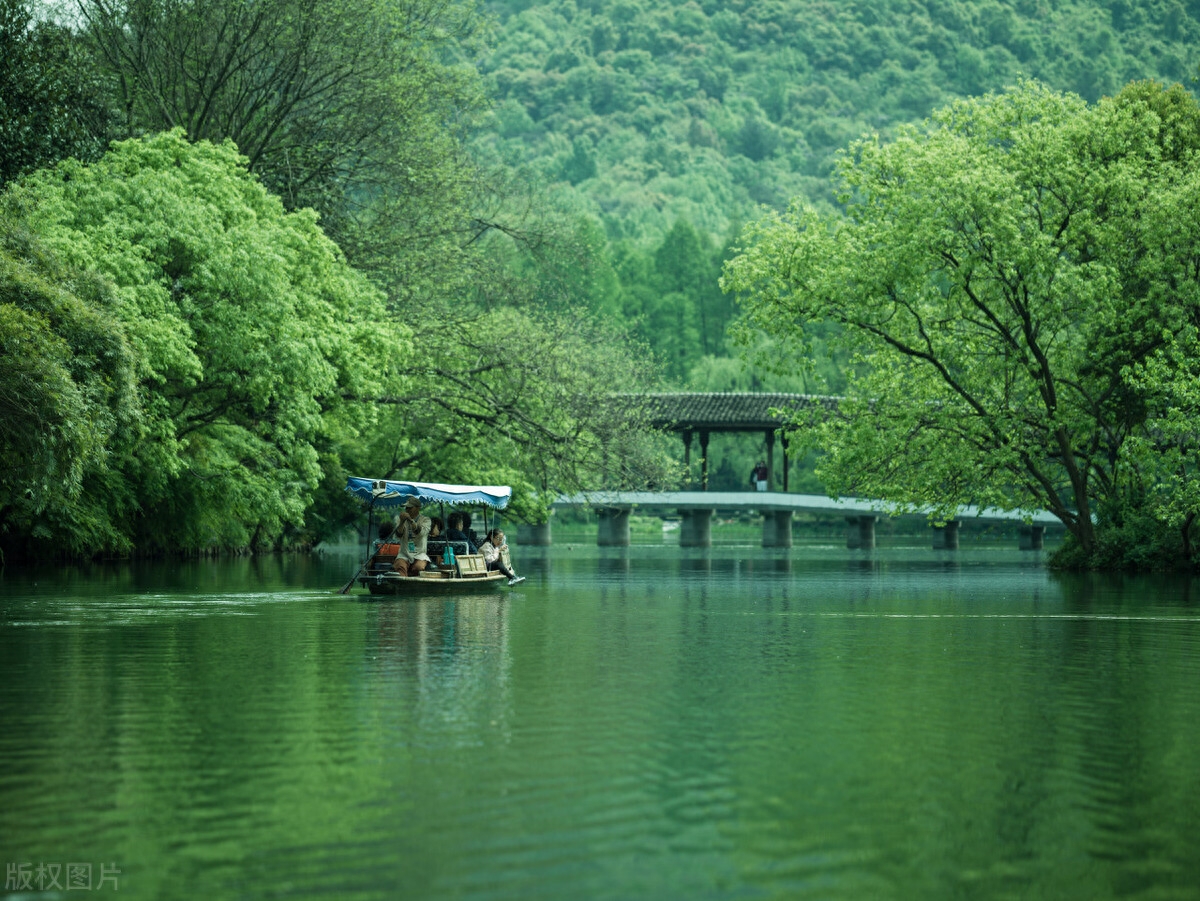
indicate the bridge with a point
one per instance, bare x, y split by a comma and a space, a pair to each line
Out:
697, 415
696, 508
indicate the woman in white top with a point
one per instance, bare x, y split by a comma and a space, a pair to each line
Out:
492, 550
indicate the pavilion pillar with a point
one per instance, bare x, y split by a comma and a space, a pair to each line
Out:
695, 528
1032, 538
704, 461
613, 528
783, 445
770, 459
946, 537
687, 454
777, 528
860, 532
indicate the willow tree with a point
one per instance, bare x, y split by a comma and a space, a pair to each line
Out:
1019, 278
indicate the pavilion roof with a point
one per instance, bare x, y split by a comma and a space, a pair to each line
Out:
728, 411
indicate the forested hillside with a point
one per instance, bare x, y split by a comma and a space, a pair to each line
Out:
669, 123
695, 110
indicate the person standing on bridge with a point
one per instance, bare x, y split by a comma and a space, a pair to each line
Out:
759, 475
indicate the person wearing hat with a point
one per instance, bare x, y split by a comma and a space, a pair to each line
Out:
412, 532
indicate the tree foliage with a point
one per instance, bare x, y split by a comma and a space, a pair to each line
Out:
68, 398
701, 111
1020, 280
249, 332
358, 110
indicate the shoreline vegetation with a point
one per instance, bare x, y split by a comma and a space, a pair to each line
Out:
220, 296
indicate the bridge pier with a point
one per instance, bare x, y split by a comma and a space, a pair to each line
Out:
1032, 538
614, 527
695, 528
861, 532
777, 528
534, 534
946, 537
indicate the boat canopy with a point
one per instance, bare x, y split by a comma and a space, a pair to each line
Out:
387, 493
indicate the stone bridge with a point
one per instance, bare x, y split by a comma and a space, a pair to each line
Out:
696, 508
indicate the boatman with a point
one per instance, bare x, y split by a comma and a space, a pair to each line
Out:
412, 532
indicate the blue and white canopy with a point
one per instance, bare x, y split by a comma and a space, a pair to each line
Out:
387, 493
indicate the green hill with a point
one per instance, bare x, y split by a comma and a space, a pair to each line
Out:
646, 113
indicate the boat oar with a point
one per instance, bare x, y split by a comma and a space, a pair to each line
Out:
347, 586
370, 524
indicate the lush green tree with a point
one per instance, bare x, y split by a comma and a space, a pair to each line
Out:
252, 336
1005, 273
523, 398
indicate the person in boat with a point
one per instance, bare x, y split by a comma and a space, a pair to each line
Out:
493, 549
467, 530
436, 528
456, 533
412, 533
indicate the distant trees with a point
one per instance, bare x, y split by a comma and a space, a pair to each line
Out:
671, 296
49, 108
1022, 281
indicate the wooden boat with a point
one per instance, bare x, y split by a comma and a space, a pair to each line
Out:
426, 586
468, 572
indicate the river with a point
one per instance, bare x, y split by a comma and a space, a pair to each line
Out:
647, 723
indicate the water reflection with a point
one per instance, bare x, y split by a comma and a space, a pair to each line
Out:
631, 723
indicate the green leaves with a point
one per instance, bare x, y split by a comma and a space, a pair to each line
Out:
249, 333
1001, 272
67, 397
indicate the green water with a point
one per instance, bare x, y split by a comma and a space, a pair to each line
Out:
650, 723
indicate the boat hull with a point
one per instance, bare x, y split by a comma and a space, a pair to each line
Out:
396, 584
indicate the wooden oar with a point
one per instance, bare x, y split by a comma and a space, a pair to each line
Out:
347, 586
370, 525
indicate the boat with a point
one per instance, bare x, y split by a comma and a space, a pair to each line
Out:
467, 572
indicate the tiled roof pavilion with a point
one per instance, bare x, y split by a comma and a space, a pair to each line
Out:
727, 411
699, 413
